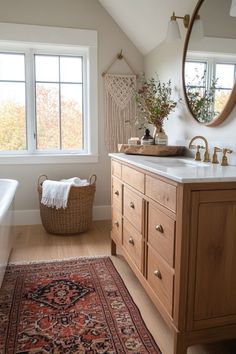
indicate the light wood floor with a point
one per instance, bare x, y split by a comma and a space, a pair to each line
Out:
32, 243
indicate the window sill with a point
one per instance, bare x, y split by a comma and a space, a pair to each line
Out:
47, 159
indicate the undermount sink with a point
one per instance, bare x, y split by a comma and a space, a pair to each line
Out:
176, 162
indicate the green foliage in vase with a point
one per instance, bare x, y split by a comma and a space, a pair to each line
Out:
154, 102
202, 101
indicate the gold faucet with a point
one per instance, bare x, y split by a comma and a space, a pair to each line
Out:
224, 160
214, 156
206, 157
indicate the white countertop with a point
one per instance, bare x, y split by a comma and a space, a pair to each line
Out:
181, 169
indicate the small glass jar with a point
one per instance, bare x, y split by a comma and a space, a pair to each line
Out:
161, 138
147, 139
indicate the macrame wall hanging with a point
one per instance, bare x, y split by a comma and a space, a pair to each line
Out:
119, 107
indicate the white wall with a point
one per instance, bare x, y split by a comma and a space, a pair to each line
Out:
217, 20
166, 61
88, 14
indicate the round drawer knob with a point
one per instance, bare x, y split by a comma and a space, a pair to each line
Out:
131, 205
117, 193
159, 228
157, 273
116, 223
131, 241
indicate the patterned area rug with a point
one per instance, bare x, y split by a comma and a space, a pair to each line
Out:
75, 306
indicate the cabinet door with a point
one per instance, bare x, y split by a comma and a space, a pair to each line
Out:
117, 194
116, 230
162, 192
213, 258
133, 244
161, 233
134, 178
161, 279
116, 169
133, 208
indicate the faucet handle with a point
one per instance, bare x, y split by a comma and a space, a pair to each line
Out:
225, 151
214, 156
224, 160
197, 154
206, 157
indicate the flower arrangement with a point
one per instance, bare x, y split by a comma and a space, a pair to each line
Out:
154, 102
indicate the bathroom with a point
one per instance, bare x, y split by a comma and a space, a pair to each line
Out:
114, 26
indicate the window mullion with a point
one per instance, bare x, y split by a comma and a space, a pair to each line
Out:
30, 102
59, 102
86, 122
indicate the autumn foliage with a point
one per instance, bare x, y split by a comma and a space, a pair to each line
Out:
52, 132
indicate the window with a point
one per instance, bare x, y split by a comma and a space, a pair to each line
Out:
12, 102
225, 75
59, 101
211, 79
58, 96
195, 74
48, 99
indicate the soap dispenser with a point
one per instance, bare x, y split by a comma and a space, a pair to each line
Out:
147, 139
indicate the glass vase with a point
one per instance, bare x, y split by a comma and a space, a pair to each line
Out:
160, 136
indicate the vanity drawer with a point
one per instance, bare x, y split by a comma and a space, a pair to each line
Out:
161, 279
162, 192
132, 241
117, 225
116, 169
161, 233
133, 208
134, 178
117, 194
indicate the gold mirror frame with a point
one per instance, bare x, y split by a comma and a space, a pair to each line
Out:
232, 98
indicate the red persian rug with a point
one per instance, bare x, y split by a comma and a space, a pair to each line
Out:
75, 306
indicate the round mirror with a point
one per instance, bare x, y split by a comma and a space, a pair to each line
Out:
209, 61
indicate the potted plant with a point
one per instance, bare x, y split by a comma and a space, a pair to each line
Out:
154, 104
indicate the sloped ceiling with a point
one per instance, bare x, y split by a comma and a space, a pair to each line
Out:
145, 21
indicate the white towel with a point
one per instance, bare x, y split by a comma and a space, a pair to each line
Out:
76, 181
56, 193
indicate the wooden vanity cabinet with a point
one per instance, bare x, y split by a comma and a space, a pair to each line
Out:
180, 241
213, 259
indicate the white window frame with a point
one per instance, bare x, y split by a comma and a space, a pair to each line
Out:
211, 59
58, 41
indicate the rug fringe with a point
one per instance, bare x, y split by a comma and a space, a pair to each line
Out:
55, 260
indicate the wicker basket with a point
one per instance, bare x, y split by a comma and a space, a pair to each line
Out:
74, 219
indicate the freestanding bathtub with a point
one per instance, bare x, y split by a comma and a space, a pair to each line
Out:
7, 193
